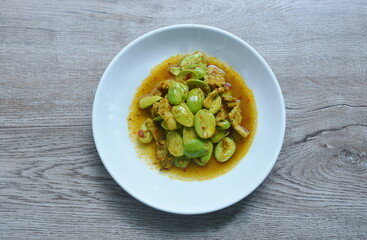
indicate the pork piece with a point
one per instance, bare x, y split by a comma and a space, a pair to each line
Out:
235, 118
157, 132
165, 111
162, 87
214, 77
228, 100
209, 99
221, 115
164, 157
162, 154
154, 109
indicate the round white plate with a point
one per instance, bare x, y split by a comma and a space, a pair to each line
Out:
116, 91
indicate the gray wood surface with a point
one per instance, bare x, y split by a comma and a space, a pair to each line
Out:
53, 184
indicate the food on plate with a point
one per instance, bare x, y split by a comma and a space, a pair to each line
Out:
193, 111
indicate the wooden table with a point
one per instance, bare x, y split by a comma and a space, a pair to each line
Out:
53, 184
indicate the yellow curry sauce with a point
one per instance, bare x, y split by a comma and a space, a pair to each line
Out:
193, 171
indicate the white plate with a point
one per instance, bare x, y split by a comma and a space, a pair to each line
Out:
116, 91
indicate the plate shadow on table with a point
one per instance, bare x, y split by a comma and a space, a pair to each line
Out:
138, 214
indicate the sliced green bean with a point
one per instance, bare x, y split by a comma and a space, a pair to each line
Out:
181, 162
158, 119
145, 136
165, 126
174, 143
218, 135
223, 125
196, 83
148, 101
216, 104
183, 115
174, 70
177, 93
224, 149
196, 148
204, 123
195, 100
198, 162
197, 71
205, 159
188, 134
195, 58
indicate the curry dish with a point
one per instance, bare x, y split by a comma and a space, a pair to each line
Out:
193, 118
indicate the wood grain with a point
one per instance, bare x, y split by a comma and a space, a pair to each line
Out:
53, 184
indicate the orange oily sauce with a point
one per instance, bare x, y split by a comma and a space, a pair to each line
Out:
193, 171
